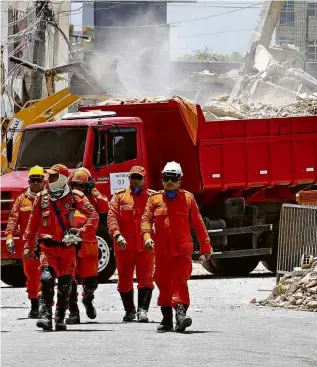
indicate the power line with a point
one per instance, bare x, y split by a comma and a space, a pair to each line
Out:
18, 20
196, 6
205, 34
176, 22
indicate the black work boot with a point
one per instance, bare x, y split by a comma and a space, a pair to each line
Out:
59, 319
167, 322
90, 285
40, 306
128, 304
182, 321
89, 306
45, 322
73, 317
144, 299
63, 291
34, 312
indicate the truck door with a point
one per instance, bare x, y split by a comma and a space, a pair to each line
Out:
115, 151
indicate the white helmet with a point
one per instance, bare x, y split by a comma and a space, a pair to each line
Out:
173, 168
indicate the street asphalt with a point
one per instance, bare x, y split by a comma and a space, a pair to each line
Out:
228, 330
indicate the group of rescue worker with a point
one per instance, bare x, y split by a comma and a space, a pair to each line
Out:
58, 218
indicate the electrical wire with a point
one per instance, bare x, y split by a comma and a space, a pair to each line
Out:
221, 32
177, 22
20, 19
55, 25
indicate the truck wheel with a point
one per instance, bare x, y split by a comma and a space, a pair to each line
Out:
13, 275
232, 267
106, 258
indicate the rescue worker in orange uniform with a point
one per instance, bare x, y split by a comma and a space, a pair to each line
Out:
87, 257
19, 215
173, 211
50, 219
124, 221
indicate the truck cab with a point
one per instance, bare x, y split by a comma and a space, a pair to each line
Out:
98, 140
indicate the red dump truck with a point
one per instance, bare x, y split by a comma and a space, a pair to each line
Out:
241, 172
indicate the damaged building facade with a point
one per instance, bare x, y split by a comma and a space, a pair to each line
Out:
298, 26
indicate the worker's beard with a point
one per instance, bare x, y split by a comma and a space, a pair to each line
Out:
58, 189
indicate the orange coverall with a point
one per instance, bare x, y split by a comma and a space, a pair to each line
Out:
124, 217
19, 215
87, 259
43, 221
173, 243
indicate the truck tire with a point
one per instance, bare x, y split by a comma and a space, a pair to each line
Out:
232, 267
106, 259
13, 275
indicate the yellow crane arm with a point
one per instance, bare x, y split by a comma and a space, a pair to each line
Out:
34, 112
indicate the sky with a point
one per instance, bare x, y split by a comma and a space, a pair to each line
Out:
221, 33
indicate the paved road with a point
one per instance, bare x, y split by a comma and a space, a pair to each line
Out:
227, 330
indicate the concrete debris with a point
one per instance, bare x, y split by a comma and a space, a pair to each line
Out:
277, 87
304, 106
296, 291
117, 101
205, 85
222, 109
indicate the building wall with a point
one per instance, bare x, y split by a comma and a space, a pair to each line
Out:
56, 47
298, 26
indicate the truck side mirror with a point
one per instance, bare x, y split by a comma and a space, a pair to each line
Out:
9, 150
118, 149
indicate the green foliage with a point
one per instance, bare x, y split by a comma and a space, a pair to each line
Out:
208, 55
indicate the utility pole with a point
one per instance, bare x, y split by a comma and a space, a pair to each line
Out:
42, 11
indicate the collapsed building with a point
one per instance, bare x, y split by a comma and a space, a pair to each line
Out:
277, 87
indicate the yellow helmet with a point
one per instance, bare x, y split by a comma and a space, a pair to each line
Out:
36, 171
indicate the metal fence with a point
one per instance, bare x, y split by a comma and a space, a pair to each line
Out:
297, 236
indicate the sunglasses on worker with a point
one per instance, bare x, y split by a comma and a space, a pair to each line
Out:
78, 185
35, 179
137, 177
167, 178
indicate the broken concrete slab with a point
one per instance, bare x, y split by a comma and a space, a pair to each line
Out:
268, 93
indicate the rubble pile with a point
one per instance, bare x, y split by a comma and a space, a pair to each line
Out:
277, 86
204, 85
219, 109
297, 290
119, 101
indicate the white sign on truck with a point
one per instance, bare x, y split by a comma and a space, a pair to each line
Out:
119, 181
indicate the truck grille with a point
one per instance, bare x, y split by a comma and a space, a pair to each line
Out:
297, 236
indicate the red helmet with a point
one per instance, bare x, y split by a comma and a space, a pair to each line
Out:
81, 176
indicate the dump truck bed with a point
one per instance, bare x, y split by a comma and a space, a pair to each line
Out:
261, 152
227, 154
